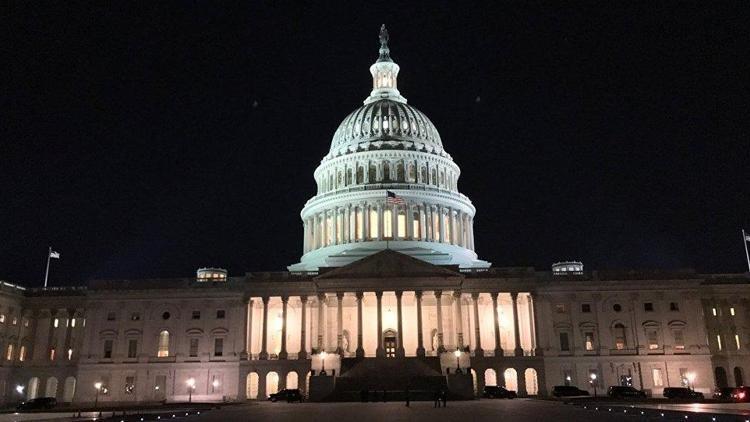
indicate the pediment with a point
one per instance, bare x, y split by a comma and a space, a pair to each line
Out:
388, 264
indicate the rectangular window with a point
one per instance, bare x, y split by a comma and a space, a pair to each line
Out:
216, 384
22, 353
9, 352
718, 341
73, 322
196, 314
14, 321
564, 343
653, 339
586, 308
107, 349
648, 307
218, 347
193, 347
110, 316
401, 221
679, 340
560, 308
737, 341
657, 378
713, 312
132, 348
373, 224
589, 340
52, 354
2, 318
129, 385
416, 227
387, 224
220, 314
673, 306
731, 311
56, 322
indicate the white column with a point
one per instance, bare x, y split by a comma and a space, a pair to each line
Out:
264, 339
459, 326
303, 330
284, 302
477, 332
441, 224
514, 300
438, 299
334, 226
409, 213
451, 226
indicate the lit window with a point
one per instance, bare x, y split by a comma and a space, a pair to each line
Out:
15, 320
679, 340
9, 352
589, 341
25, 322
713, 311
22, 353
360, 224
56, 322
653, 340
163, 344
73, 322
52, 354
373, 224
385, 123
70, 354
657, 377
731, 311
718, 341
404, 125
218, 347
737, 341
2, 318
387, 224
619, 336
401, 221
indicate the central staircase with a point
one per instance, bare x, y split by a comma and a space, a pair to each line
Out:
370, 377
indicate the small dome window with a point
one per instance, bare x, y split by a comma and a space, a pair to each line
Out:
165, 316
385, 124
617, 307
375, 125
404, 125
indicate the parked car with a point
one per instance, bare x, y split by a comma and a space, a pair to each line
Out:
682, 393
497, 392
39, 403
624, 392
741, 394
724, 393
568, 391
288, 394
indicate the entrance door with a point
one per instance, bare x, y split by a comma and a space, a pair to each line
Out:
389, 342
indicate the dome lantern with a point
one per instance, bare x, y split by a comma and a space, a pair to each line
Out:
384, 74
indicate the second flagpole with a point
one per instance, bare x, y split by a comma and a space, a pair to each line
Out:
46, 272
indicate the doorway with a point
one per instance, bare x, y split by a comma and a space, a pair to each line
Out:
389, 343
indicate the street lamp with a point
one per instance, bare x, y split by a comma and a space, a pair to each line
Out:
593, 382
691, 380
98, 386
191, 387
19, 389
323, 362
457, 353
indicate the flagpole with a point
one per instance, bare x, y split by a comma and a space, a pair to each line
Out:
46, 273
744, 242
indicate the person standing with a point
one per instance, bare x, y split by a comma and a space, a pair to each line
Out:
407, 396
444, 395
436, 396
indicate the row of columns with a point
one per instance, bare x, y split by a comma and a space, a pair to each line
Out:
349, 177
400, 352
352, 223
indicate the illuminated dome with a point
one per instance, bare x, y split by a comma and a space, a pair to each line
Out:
387, 183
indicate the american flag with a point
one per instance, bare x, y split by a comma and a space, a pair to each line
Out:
392, 198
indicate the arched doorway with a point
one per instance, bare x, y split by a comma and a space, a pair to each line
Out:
721, 377
272, 383
307, 384
33, 388
532, 387
51, 390
474, 382
292, 380
251, 388
490, 377
738, 378
389, 343
511, 379
69, 389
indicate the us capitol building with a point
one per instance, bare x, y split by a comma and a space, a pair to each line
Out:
389, 292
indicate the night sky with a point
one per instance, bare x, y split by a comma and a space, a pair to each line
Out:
145, 141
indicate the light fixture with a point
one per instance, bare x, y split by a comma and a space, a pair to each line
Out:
215, 383
19, 389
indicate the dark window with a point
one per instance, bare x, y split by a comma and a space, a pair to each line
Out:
193, 347
673, 306
586, 308
220, 314
196, 314
218, 346
135, 316
564, 343
648, 307
165, 315
617, 307
107, 349
132, 348
110, 316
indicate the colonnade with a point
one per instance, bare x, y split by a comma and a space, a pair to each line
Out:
464, 315
371, 221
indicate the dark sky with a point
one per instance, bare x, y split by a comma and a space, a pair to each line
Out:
146, 140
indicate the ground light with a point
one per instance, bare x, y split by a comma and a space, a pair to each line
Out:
323, 362
593, 382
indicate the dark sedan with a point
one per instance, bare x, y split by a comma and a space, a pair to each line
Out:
497, 392
287, 394
622, 392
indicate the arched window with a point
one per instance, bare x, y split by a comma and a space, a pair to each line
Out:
532, 386
51, 390
401, 224
416, 227
69, 389
9, 352
721, 377
251, 389
511, 379
163, 350
386, 172
400, 172
349, 177
33, 388
373, 224
272, 383
738, 378
292, 380
490, 377
411, 174
434, 177
619, 333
